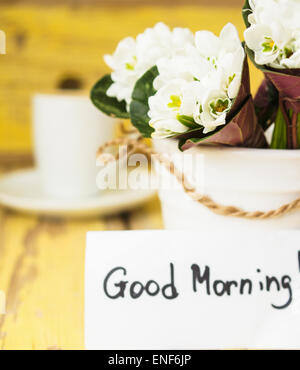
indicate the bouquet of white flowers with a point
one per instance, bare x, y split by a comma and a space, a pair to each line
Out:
273, 44
190, 89
194, 88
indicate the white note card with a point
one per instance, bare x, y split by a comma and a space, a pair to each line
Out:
176, 290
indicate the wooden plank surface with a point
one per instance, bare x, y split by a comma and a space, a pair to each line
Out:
42, 274
42, 270
99, 3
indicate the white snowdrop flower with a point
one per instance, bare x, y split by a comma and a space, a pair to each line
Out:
227, 77
252, 17
268, 42
225, 53
123, 63
268, 11
293, 62
212, 109
196, 90
182, 38
210, 54
261, 11
273, 33
213, 47
160, 42
178, 67
154, 43
171, 109
232, 68
180, 106
190, 67
133, 57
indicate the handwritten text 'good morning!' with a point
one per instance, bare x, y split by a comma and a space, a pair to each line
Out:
116, 286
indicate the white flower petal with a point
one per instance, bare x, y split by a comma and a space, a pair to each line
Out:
204, 117
207, 43
167, 127
234, 86
279, 20
229, 38
255, 35
293, 62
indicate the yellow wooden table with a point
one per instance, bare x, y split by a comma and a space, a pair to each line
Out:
42, 275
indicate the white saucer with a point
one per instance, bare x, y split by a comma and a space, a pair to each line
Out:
22, 191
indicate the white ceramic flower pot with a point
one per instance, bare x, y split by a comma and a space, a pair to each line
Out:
252, 179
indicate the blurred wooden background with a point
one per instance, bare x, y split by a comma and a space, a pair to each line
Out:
50, 41
75, 3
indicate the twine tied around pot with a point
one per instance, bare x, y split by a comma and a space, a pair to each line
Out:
136, 145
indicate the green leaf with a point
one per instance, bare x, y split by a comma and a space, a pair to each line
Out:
139, 106
110, 106
279, 139
246, 12
298, 131
187, 121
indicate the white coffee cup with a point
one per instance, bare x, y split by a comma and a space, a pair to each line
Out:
67, 132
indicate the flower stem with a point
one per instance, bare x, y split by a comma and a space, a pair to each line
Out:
279, 139
286, 133
294, 130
